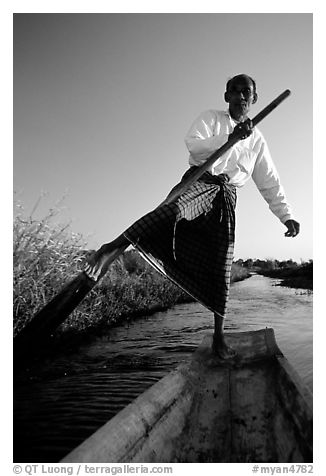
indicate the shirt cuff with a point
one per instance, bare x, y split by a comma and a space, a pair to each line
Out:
286, 218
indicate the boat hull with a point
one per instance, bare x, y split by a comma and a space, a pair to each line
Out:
251, 409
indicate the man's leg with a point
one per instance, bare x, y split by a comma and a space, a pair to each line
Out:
99, 261
219, 345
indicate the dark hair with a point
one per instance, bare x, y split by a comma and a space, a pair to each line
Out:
238, 76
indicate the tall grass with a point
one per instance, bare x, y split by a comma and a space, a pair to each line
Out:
44, 256
47, 255
239, 273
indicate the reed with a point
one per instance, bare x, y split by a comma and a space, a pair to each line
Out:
239, 273
44, 256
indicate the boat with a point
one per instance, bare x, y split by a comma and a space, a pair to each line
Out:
252, 408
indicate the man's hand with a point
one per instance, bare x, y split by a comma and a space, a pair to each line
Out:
293, 228
243, 129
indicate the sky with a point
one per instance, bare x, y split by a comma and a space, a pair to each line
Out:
102, 103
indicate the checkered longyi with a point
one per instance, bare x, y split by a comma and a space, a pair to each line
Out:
191, 240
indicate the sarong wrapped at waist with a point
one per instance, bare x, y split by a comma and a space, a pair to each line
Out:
191, 241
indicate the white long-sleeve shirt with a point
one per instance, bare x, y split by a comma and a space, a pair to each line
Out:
249, 157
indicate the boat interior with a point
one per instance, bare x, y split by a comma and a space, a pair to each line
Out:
253, 408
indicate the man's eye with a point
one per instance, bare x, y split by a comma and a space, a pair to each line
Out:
246, 91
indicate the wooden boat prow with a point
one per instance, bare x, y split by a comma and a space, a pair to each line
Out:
253, 408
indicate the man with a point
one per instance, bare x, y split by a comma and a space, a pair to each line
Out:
191, 240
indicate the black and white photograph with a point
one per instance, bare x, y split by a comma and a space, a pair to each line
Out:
162, 240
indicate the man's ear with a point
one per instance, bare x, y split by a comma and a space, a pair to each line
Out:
226, 96
255, 98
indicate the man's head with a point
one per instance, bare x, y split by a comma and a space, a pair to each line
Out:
240, 94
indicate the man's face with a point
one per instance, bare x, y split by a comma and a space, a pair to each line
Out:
240, 95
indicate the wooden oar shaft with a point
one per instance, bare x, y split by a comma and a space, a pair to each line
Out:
59, 308
268, 109
44, 323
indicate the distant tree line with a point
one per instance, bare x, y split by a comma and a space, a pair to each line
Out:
270, 263
290, 272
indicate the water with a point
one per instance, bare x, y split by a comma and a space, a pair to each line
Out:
60, 403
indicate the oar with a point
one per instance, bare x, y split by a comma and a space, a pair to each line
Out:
58, 309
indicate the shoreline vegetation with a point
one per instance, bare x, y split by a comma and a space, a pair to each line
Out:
47, 256
291, 274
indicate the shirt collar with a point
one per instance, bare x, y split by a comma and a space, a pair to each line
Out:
231, 118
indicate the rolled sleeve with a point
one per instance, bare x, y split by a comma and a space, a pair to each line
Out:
268, 183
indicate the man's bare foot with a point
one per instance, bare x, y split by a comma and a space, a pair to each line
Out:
221, 349
97, 262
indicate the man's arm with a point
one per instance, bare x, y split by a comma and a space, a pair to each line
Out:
205, 136
268, 183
